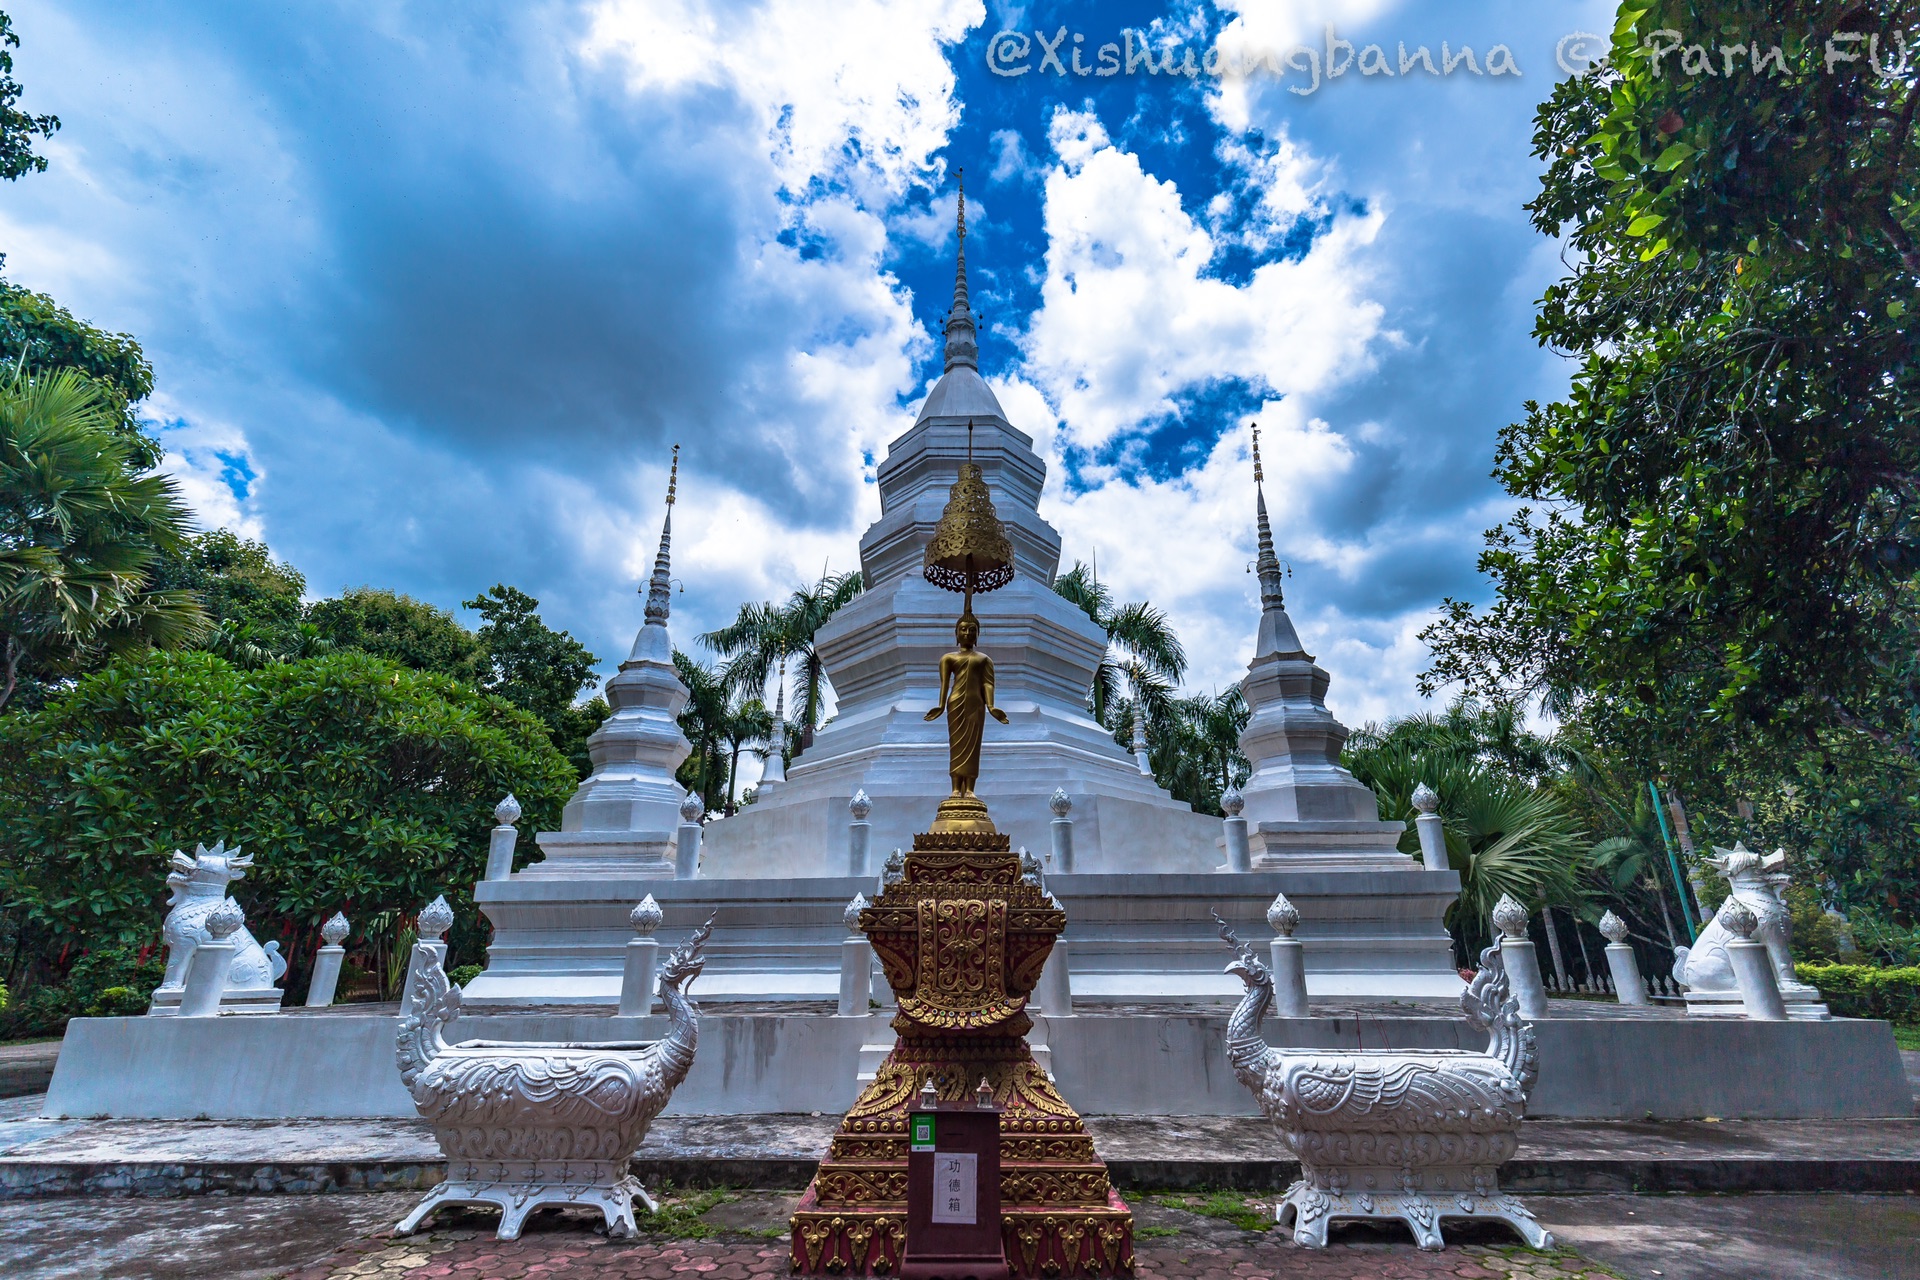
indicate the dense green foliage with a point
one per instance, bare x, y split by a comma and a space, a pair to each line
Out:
1509, 828
1862, 991
538, 669
400, 629
361, 785
1715, 575
110, 982
82, 525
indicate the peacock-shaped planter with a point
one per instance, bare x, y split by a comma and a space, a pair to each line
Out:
1413, 1135
525, 1125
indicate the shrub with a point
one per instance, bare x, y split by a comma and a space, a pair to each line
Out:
464, 974
358, 784
109, 982
1862, 991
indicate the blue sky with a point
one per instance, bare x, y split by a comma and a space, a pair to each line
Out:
431, 288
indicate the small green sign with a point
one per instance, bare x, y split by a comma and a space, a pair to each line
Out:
922, 1133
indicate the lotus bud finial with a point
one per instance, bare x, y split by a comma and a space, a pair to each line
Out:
861, 805
334, 931
1737, 918
1061, 803
1233, 802
646, 917
1613, 928
1426, 799
1283, 916
225, 920
436, 918
507, 812
855, 905
692, 808
1510, 918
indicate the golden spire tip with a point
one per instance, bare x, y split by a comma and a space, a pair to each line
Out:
1257, 476
673, 475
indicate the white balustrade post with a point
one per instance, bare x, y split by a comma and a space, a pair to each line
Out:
206, 980
1432, 829
500, 844
429, 949
1062, 827
1054, 993
1628, 986
643, 959
859, 833
1140, 739
1239, 854
1752, 966
327, 961
1517, 954
856, 963
1289, 960
686, 846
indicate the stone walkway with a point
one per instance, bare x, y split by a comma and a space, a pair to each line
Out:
66, 1157
740, 1236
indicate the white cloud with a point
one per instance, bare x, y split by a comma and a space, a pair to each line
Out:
1130, 318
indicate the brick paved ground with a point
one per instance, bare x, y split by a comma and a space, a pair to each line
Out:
1185, 1244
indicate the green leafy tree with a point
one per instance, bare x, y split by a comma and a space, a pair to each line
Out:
1715, 571
538, 669
17, 128
401, 629
252, 600
82, 526
1144, 659
762, 635
359, 784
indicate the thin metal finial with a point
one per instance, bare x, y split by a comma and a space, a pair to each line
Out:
960, 181
673, 475
1258, 477
969, 439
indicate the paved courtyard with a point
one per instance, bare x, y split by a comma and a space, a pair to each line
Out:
738, 1235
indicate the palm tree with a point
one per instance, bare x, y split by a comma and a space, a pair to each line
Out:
1504, 834
748, 720
704, 721
81, 529
1144, 658
762, 636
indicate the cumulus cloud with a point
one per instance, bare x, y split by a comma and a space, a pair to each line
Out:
1132, 312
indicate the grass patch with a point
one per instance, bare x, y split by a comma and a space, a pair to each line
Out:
1226, 1206
1154, 1233
1907, 1035
680, 1215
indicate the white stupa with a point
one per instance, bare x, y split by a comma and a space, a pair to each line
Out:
622, 819
882, 653
1304, 811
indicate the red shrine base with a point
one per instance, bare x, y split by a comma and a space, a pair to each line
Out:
1042, 1242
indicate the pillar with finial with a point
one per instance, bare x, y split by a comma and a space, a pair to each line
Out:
1061, 829
622, 818
1431, 826
642, 960
327, 961
1233, 829
1140, 738
505, 836
686, 844
859, 832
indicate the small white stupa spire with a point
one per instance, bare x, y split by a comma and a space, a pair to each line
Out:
625, 813
963, 345
1277, 635
659, 588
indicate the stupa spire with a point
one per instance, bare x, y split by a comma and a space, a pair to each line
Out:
1277, 635
660, 586
962, 344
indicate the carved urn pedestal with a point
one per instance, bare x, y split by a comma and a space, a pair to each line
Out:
963, 939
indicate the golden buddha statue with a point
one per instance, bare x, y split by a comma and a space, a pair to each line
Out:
966, 695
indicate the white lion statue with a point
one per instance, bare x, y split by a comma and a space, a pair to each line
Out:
199, 884
1706, 970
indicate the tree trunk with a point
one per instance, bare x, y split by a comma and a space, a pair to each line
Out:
1553, 945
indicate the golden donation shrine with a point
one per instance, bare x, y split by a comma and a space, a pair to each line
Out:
963, 938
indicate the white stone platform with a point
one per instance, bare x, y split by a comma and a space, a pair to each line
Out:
1137, 939
1597, 1061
